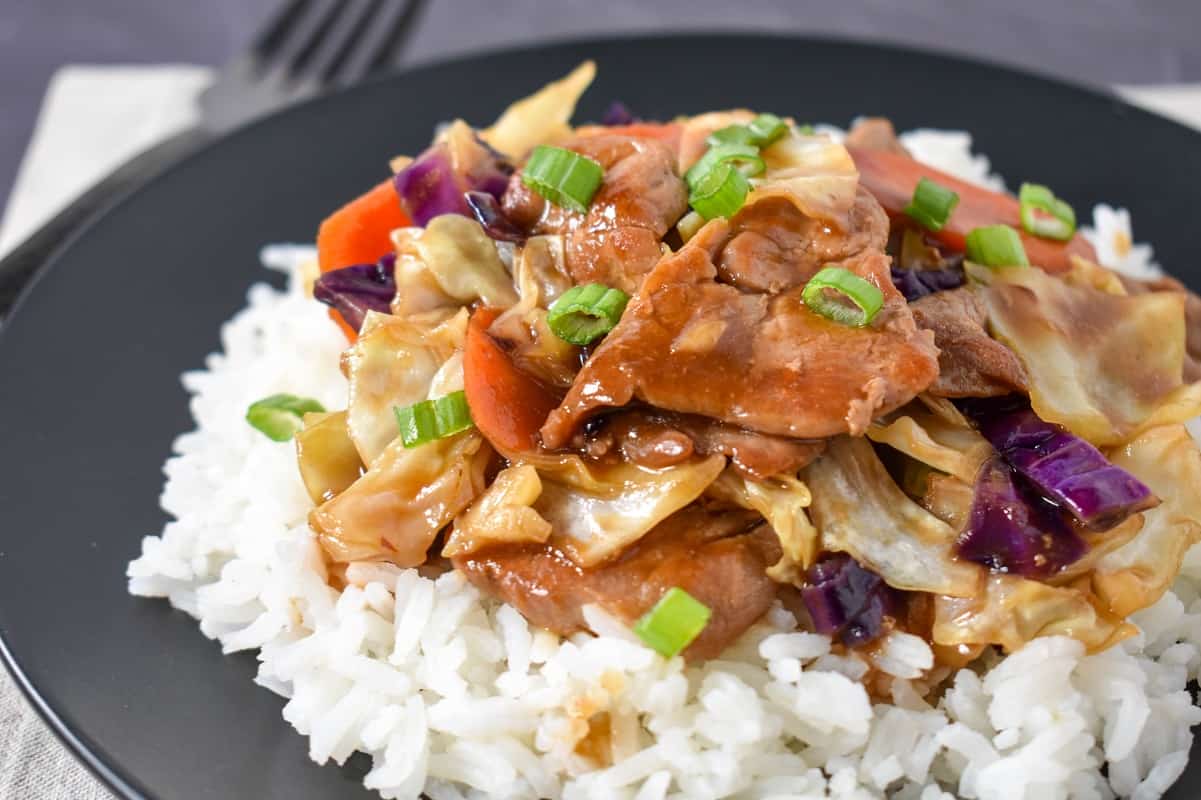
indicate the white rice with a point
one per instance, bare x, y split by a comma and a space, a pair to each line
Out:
453, 694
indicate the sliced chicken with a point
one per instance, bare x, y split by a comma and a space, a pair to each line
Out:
773, 247
970, 362
767, 363
617, 241
719, 558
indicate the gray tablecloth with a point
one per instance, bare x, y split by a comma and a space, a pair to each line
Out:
33, 765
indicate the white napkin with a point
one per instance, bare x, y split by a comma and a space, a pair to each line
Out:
93, 119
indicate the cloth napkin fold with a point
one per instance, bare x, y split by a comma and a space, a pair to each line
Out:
93, 119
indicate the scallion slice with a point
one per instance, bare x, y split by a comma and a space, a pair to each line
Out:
760, 132
280, 416
674, 623
996, 246
584, 313
731, 134
720, 192
433, 419
563, 177
931, 205
842, 296
766, 128
1044, 214
744, 156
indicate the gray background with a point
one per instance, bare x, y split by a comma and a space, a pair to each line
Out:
1099, 41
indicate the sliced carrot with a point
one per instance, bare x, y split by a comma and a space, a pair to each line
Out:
507, 405
359, 233
892, 177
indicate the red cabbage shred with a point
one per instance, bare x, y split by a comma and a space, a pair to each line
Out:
1064, 468
846, 600
915, 284
1013, 529
355, 290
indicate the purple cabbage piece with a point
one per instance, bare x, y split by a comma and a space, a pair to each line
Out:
917, 283
492, 174
1013, 529
488, 213
618, 114
846, 600
1064, 468
354, 291
430, 186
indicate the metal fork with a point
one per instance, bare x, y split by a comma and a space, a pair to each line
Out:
306, 47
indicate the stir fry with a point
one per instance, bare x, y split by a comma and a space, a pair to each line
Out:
683, 371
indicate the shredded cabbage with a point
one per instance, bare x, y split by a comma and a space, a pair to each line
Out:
597, 510
924, 437
417, 290
859, 510
464, 262
782, 501
541, 118
501, 515
1137, 574
1010, 611
1104, 366
814, 173
395, 510
393, 364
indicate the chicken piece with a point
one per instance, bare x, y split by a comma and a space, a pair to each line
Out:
774, 247
970, 362
875, 133
657, 439
719, 558
767, 363
617, 241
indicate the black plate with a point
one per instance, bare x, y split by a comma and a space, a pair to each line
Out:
89, 363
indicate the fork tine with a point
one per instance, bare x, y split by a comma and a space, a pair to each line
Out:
385, 33
337, 40
299, 37
268, 36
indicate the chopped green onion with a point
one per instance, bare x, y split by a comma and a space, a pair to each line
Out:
584, 313
433, 419
675, 621
1044, 214
745, 156
720, 192
761, 131
563, 177
931, 205
806, 130
996, 246
827, 293
767, 128
280, 416
731, 134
